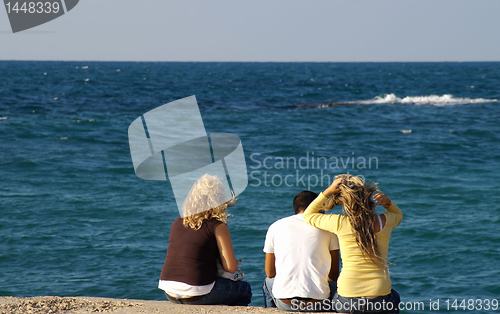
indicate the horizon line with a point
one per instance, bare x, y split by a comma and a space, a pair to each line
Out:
252, 61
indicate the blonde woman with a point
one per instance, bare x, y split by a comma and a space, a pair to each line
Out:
199, 243
364, 284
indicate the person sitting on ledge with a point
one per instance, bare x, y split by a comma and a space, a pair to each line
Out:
301, 262
200, 266
364, 284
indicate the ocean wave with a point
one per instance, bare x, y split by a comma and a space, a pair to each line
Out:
437, 100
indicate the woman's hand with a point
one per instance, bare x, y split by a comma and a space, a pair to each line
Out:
333, 188
382, 199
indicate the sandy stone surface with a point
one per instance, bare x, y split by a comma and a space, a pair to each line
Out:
80, 305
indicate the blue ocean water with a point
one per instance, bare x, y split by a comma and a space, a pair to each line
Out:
75, 220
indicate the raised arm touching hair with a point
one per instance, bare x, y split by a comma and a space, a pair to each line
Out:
393, 213
223, 237
325, 222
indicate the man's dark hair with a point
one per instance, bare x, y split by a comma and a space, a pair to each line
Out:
302, 200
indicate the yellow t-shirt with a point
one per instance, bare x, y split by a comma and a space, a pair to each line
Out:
360, 277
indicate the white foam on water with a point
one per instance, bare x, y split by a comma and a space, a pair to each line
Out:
3, 118
324, 106
437, 100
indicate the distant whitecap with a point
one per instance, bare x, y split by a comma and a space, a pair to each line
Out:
87, 80
85, 67
437, 100
406, 131
3, 118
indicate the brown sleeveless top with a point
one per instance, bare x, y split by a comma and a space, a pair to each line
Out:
192, 255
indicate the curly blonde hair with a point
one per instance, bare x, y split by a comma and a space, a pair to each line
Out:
207, 199
355, 196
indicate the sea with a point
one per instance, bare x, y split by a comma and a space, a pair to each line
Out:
75, 220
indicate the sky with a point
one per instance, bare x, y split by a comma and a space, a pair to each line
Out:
263, 30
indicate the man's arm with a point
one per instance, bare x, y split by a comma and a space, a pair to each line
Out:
269, 265
334, 269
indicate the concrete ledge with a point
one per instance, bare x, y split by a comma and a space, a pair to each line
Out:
53, 304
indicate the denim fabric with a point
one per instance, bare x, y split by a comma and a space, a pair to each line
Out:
224, 292
368, 305
271, 301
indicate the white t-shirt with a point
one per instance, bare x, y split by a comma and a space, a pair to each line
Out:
302, 258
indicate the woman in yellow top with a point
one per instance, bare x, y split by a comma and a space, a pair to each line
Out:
364, 283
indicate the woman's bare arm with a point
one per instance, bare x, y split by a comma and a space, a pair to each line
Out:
223, 237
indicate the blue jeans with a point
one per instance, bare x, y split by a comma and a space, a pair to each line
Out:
271, 301
368, 305
224, 292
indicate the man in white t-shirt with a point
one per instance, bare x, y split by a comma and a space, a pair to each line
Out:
302, 262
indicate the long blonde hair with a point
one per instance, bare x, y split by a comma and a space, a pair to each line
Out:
355, 196
206, 199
